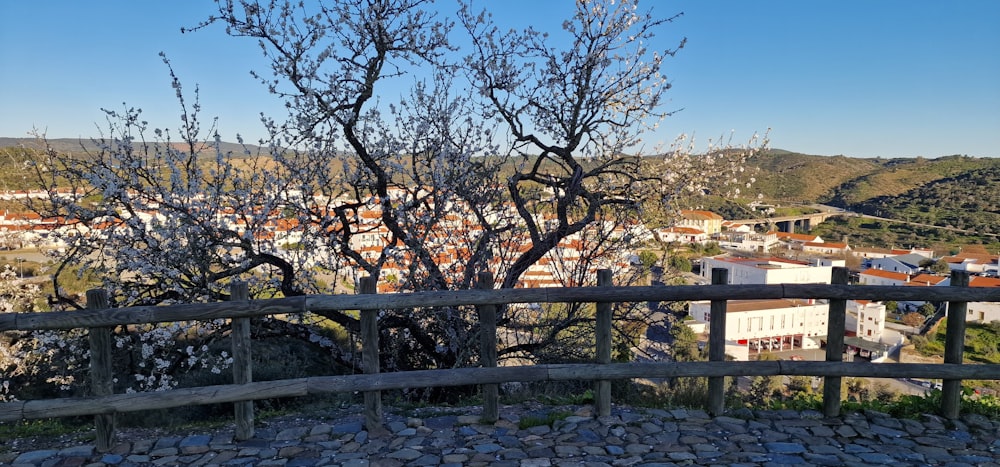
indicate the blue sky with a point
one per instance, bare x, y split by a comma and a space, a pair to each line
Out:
893, 78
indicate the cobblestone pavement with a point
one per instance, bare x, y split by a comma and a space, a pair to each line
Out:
629, 436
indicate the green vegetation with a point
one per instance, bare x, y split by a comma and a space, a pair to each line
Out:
895, 177
969, 201
901, 406
791, 177
47, 428
862, 232
548, 418
955, 191
982, 342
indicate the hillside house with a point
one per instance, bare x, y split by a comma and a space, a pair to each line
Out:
705, 221
974, 263
980, 312
795, 241
686, 235
880, 277
730, 226
767, 270
825, 248
907, 264
874, 253
831, 262
926, 279
747, 241
871, 253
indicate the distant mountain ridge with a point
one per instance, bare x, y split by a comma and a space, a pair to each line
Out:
71, 145
846, 181
954, 190
951, 191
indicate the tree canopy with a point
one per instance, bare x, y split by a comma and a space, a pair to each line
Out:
418, 190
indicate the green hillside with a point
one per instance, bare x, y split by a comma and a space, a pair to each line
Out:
896, 177
788, 177
792, 177
970, 201
958, 191
80, 146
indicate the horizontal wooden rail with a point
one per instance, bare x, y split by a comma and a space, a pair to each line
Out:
209, 311
12, 411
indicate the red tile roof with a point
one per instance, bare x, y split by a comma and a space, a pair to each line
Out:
701, 215
886, 274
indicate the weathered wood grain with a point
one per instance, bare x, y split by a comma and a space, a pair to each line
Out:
954, 346
242, 361
209, 311
488, 349
12, 411
717, 345
370, 359
602, 387
101, 373
835, 323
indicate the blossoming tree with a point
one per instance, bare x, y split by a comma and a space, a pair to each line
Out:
507, 153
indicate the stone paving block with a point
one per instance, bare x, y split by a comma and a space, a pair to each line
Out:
877, 458
784, 448
626, 438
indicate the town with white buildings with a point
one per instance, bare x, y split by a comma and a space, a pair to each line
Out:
751, 257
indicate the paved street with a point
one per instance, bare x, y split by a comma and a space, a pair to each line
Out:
649, 437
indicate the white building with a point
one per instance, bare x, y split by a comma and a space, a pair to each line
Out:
747, 241
753, 326
831, 262
705, 221
975, 263
681, 235
825, 248
881, 277
908, 263
980, 312
871, 319
767, 271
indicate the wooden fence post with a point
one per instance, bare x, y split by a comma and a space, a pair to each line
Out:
954, 345
717, 345
101, 378
835, 323
369, 358
602, 387
242, 362
488, 350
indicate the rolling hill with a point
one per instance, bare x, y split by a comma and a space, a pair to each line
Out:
958, 191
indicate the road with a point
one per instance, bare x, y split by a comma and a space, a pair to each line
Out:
827, 208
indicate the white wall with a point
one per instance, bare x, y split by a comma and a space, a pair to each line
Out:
806, 320
775, 272
983, 312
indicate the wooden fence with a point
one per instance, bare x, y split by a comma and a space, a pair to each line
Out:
100, 319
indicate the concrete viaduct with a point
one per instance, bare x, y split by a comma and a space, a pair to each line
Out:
802, 223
